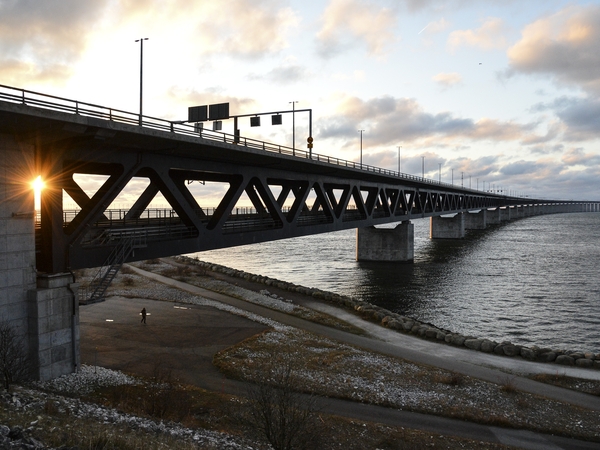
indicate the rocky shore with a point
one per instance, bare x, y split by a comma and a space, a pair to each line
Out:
409, 325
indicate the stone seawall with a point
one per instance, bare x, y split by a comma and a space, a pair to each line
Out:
412, 326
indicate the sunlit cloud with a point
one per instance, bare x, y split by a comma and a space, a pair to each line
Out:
447, 80
490, 36
563, 46
346, 23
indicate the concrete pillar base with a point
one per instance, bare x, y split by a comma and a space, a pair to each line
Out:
54, 326
447, 227
476, 221
494, 216
386, 244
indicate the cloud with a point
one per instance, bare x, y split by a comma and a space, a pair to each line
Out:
489, 36
563, 46
346, 23
211, 96
447, 80
580, 117
577, 157
40, 41
247, 29
287, 74
435, 27
390, 120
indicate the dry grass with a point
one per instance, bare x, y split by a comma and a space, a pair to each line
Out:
587, 386
339, 370
205, 410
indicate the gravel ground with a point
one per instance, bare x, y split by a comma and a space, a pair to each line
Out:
63, 394
327, 368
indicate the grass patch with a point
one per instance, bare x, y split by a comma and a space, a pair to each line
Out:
588, 386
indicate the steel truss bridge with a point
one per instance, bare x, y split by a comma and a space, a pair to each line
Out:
292, 193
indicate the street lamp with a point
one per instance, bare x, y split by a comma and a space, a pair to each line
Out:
399, 160
361, 132
422, 167
453, 177
294, 124
440, 174
141, 41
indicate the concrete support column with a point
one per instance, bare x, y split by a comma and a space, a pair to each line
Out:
54, 326
386, 244
476, 221
505, 214
494, 216
17, 234
447, 227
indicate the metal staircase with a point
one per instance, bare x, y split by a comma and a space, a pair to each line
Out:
97, 288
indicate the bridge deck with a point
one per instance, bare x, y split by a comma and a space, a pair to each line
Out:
293, 192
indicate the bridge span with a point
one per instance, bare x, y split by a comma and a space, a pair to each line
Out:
292, 193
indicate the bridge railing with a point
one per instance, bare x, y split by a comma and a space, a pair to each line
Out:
54, 103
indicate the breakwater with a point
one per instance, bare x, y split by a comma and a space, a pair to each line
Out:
403, 324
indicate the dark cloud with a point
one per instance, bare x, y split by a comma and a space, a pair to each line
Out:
389, 120
580, 117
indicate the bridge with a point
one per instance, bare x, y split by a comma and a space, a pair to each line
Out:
292, 192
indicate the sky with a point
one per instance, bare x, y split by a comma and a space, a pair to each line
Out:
481, 93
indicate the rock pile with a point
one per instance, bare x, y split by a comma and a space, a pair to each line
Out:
408, 325
17, 437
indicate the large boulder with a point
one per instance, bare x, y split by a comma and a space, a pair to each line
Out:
473, 344
565, 360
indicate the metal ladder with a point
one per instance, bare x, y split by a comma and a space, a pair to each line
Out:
101, 281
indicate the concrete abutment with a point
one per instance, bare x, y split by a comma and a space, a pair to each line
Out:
42, 310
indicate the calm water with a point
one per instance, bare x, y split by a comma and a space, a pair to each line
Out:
532, 281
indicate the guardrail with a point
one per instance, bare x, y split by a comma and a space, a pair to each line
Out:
54, 103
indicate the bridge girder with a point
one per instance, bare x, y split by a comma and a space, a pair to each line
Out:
285, 203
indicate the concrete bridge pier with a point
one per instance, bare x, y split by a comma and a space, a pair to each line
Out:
54, 326
386, 244
493, 216
41, 309
476, 221
447, 227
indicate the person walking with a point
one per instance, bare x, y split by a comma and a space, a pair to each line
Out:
143, 315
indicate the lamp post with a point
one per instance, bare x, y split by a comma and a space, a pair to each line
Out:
141, 41
422, 167
293, 124
399, 160
361, 132
453, 177
440, 174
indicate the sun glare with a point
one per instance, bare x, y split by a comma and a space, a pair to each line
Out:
38, 185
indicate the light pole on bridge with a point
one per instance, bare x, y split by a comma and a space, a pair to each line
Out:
141, 41
361, 133
294, 124
399, 159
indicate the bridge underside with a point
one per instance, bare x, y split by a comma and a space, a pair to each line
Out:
285, 203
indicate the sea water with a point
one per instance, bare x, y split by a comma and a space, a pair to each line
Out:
532, 281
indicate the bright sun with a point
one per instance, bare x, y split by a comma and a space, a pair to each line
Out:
38, 185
